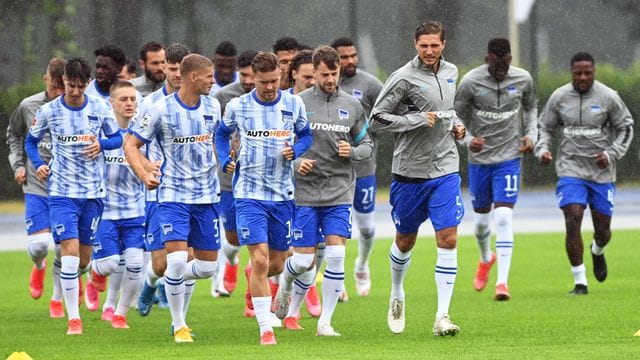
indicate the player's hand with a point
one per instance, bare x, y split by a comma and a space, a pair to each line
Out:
602, 160
459, 131
546, 158
151, 180
476, 144
92, 150
21, 176
43, 172
287, 152
527, 145
305, 166
432, 117
231, 167
344, 149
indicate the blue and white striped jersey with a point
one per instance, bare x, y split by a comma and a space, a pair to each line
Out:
153, 151
125, 195
262, 172
73, 175
185, 135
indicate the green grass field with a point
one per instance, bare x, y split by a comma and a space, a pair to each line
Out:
540, 321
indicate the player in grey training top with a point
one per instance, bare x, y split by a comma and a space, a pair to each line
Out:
152, 61
324, 191
595, 130
416, 104
489, 100
35, 191
227, 275
364, 87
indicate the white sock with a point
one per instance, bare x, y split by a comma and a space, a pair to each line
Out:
333, 282
595, 249
231, 252
367, 227
106, 266
399, 265
445, 276
301, 286
200, 269
152, 277
38, 247
55, 275
320, 251
174, 286
189, 288
482, 229
115, 284
295, 266
504, 242
262, 307
131, 281
579, 274
69, 283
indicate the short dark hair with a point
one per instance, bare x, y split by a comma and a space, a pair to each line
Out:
226, 48
499, 46
285, 44
77, 69
431, 27
120, 84
303, 57
304, 47
113, 52
327, 55
246, 57
174, 53
131, 66
342, 41
582, 56
55, 69
264, 62
194, 62
151, 46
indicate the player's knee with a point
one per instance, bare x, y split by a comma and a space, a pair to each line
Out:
134, 258
106, 266
260, 264
39, 245
335, 251
503, 216
176, 264
205, 269
602, 236
301, 262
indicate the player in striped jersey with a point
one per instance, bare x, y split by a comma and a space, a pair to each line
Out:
35, 192
267, 120
121, 229
109, 62
153, 242
184, 124
76, 181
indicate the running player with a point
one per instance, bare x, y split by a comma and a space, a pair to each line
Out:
109, 62
121, 230
152, 63
35, 191
595, 129
267, 120
364, 87
184, 124
490, 100
416, 104
225, 61
337, 121
76, 182
285, 49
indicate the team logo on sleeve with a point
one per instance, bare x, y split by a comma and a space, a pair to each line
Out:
357, 94
343, 114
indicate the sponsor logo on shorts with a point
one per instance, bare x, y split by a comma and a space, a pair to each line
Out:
511, 194
193, 139
29, 223
245, 233
167, 228
269, 133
